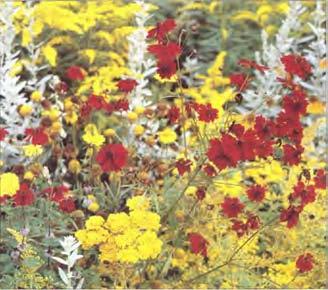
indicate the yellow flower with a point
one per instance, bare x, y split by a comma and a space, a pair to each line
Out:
32, 150
167, 136
138, 203
92, 136
94, 222
149, 245
71, 117
139, 130
93, 207
29, 175
109, 132
145, 220
9, 184
25, 110
132, 116
74, 166
139, 110
118, 223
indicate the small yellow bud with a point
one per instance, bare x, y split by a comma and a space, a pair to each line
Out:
68, 104
109, 132
132, 116
74, 166
93, 207
25, 110
56, 127
139, 110
36, 96
29, 175
139, 130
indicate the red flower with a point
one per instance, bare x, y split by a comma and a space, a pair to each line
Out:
127, 85
239, 80
75, 73
307, 194
264, 128
67, 205
165, 52
198, 244
183, 166
295, 104
173, 114
3, 133
24, 196
200, 193
256, 193
232, 207
292, 155
166, 69
290, 215
225, 152
320, 179
304, 263
112, 157
253, 222
37, 136
296, 65
286, 123
161, 29
206, 113
252, 64
121, 105
264, 148
56, 193
96, 102
209, 170
239, 227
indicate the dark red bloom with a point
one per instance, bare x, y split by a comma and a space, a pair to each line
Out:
165, 52
232, 207
252, 64
183, 166
247, 143
295, 104
264, 148
198, 244
292, 155
112, 157
307, 194
166, 69
225, 152
206, 113
173, 114
127, 85
200, 193
67, 205
161, 29
239, 227
296, 65
37, 136
209, 170
264, 128
304, 263
24, 196
56, 193
61, 88
121, 105
286, 123
256, 193
320, 179
3, 133
239, 80
75, 73
96, 102
290, 215
253, 222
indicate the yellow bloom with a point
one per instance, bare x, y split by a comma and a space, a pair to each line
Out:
94, 222
32, 150
74, 166
92, 136
36, 96
9, 184
93, 207
25, 110
139, 130
132, 116
71, 117
109, 132
138, 203
29, 175
167, 136
118, 223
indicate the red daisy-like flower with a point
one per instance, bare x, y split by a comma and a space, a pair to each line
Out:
285, 124
320, 179
165, 52
24, 196
307, 194
56, 193
161, 29
290, 215
253, 222
127, 85
166, 68
304, 263
37, 136
239, 80
75, 73
183, 166
67, 205
264, 128
296, 65
198, 244
206, 113
295, 104
3, 133
256, 193
209, 170
239, 227
173, 114
232, 207
96, 102
112, 157
252, 64
225, 152
292, 155
121, 105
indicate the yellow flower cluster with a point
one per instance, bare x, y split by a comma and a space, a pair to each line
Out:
9, 184
125, 238
92, 136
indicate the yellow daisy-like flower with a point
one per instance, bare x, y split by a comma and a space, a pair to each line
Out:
9, 184
167, 136
92, 136
32, 150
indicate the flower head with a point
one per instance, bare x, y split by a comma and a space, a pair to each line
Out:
167, 136
127, 85
161, 29
112, 157
9, 184
256, 193
232, 207
296, 65
198, 244
304, 263
75, 73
